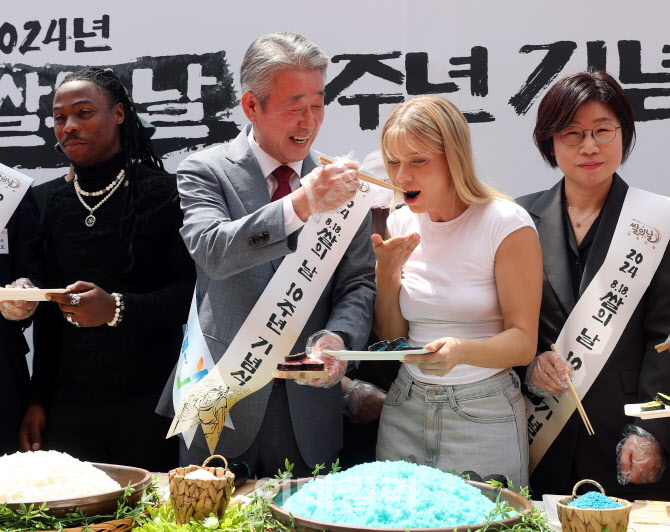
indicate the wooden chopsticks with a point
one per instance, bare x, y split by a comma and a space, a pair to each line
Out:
575, 398
365, 177
664, 346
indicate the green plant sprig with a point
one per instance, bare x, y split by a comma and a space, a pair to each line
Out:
534, 521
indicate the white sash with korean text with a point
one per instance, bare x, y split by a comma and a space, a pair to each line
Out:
276, 321
13, 186
596, 323
195, 361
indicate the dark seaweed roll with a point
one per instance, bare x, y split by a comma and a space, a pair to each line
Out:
651, 405
662, 398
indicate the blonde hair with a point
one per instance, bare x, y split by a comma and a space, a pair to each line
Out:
437, 125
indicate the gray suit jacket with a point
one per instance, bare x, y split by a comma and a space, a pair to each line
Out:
634, 372
236, 236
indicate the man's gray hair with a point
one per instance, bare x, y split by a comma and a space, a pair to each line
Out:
272, 53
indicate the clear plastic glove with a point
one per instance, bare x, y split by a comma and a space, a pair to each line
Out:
329, 187
364, 401
546, 374
640, 458
18, 310
316, 344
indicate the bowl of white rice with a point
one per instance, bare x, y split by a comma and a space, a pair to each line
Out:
65, 483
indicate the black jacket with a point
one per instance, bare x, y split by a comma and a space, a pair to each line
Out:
25, 259
634, 372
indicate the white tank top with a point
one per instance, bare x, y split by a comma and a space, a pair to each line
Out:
449, 286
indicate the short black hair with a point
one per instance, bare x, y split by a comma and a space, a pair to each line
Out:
567, 95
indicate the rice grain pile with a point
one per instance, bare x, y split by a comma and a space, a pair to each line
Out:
391, 495
596, 501
48, 476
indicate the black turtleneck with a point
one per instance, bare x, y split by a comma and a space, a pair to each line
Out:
98, 176
102, 363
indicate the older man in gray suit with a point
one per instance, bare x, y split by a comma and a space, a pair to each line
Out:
244, 207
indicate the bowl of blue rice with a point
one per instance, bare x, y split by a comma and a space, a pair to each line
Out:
593, 511
390, 497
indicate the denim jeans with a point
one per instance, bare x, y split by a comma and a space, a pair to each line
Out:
478, 427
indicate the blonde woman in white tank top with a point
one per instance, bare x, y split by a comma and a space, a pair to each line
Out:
459, 273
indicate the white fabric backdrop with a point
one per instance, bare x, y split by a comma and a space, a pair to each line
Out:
441, 29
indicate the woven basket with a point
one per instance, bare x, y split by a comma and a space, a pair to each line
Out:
199, 498
118, 525
592, 520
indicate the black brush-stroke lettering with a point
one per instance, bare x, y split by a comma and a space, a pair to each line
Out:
8, 38
557, 56
637, 98
357, 67
596, 55
368, 105
630, 65
666, 50
33, 28
80, 35
169, 72
416, 68
61, 25
478, 71
478, 117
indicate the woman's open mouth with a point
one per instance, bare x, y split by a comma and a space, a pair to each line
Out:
411, 194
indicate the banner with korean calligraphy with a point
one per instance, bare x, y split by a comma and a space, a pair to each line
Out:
493, 59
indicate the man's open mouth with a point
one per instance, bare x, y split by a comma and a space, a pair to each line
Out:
300, 140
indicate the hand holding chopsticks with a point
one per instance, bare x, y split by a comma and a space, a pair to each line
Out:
365, 177
575, 398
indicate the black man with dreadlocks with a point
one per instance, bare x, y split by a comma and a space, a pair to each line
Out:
104, 352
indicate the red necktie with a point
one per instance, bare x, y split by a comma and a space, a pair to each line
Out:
282, 174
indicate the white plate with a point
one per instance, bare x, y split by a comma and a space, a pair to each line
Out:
29, 294
375, 355
634, 410
549, 504
555, 525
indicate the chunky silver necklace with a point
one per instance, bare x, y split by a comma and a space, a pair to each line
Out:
90, 219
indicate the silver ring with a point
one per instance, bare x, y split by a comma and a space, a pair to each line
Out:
76, 300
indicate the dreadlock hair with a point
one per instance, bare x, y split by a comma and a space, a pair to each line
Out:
136, 145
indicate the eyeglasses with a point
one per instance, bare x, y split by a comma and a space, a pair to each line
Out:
603, 133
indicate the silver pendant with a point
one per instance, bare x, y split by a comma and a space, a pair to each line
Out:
90, 220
